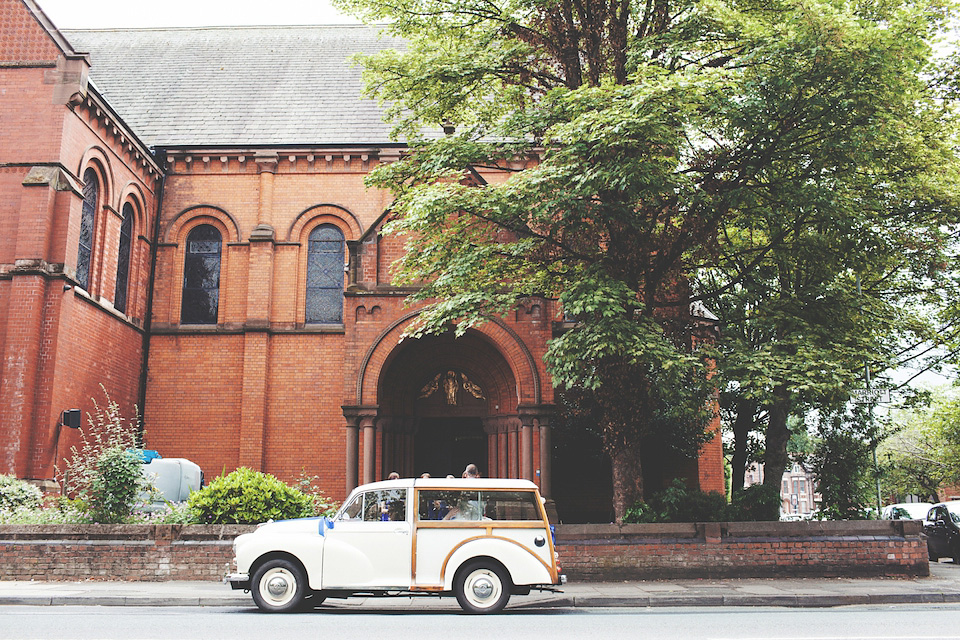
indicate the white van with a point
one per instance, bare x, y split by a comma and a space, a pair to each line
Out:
480, 539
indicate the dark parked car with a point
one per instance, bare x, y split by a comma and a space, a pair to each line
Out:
942, 527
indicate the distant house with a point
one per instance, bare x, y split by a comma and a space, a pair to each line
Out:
798, 495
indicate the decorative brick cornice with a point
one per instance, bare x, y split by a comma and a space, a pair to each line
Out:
284, 161
125, 142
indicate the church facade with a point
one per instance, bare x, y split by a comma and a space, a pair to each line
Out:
185, 225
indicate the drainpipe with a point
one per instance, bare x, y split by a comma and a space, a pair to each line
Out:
161, 155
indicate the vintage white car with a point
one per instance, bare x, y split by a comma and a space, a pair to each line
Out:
481, 539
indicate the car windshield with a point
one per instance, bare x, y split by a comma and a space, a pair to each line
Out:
954, 510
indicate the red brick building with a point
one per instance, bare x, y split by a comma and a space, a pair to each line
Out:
185, 223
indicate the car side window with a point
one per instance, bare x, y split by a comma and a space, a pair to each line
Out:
353, 510
478, 505
377, 506
385, 505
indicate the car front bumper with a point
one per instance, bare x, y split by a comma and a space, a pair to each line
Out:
238, 581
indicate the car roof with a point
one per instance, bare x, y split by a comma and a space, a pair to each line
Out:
917, 509
451, 483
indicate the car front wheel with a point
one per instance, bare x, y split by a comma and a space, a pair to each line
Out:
482, 587
279, 586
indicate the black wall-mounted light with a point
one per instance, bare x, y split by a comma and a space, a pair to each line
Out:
70, 418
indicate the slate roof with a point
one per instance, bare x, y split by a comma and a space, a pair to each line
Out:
238, 86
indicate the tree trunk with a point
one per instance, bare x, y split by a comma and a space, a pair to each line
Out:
778, 434
627, 479
742, 425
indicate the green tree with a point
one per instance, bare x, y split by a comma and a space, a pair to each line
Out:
650, 133
923, 454
842, 464
834, 298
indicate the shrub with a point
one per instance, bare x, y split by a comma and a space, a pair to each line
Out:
116, 485
677, 503
756, 503
15, 493
247, 497
104, 473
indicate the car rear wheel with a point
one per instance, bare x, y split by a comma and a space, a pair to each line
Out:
279, 586
482, 587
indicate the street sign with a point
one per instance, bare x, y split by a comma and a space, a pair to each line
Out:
869, 396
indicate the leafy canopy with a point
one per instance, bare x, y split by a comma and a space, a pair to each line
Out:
607, 153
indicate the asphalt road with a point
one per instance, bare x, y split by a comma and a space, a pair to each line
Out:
904, 622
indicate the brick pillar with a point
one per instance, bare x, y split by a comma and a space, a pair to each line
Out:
367, 426
266, 167
526, 444
256, 344
23, 365
352, 451
503, 447
253, 400
513, 438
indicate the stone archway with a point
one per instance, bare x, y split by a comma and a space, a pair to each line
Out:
388, 412
441, 404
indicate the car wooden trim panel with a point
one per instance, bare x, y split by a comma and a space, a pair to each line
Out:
448, 577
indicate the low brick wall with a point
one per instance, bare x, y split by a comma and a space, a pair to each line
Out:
117, 552
743, 549
587, 552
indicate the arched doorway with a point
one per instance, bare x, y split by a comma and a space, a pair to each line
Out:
442, 404
447, 445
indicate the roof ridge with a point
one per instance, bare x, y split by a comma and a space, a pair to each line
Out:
224, 27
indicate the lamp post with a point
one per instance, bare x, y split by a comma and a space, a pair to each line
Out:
870, 399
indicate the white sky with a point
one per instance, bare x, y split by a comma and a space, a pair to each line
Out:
89, 14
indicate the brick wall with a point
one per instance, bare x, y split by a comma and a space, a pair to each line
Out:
742, 549
587, 552
117, 552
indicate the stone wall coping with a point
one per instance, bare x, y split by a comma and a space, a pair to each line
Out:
565, 532
804, 529
193, 532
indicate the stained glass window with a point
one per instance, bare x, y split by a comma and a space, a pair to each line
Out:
123, 259
88, 216
325, 275
201, 276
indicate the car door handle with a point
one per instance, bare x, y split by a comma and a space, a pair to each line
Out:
401, 530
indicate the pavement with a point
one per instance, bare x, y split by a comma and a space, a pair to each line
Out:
942, 586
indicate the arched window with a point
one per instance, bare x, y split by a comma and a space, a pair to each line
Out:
201, 276
88, 218
123, 259
325, 275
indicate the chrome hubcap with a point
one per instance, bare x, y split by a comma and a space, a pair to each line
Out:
483, 588
277, 586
